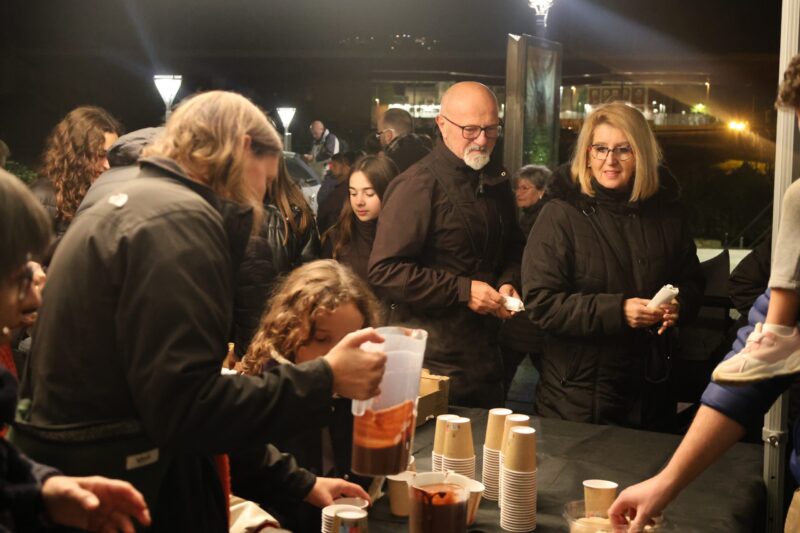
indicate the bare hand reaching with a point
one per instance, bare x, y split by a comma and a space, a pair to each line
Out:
484, 300
94, 503
357, 374
327, 489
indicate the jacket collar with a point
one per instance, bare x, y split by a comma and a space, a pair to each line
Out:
237, 219
492, 174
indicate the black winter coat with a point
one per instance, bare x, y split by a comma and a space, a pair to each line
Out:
133, 333
585, 256
267, 258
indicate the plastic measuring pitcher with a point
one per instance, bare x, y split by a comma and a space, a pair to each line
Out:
384, 425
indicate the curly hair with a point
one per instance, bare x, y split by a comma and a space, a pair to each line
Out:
289, 323
72, 154
789, 90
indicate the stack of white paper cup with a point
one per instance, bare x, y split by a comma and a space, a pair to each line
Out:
518, 496
438, 442
329, 513
511, 421
459, 451
491, 452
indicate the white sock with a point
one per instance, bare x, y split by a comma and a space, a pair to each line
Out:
783, 331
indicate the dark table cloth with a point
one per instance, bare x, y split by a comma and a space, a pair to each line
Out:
728, 497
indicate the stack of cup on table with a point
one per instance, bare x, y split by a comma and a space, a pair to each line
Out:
491, 452
459, 451
438, 442
518, 474
511, 421
352, 505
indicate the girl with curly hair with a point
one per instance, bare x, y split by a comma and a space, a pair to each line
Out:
74, 156
773, 349
311, 310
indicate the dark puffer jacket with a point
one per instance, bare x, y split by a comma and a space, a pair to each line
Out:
267, 257
585, 256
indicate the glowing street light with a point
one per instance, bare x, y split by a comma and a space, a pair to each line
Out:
541, 8
167, 85
737, 125
287, 114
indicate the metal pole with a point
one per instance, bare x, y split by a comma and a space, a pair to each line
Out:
774, 431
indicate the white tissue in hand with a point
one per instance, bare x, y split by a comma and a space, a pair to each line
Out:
663, 296
513, 304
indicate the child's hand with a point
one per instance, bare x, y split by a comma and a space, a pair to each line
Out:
327, 489
357, 374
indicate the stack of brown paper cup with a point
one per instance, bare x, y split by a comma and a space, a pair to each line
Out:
398, 492
598, 496
459, 451
491, 451
438, 441
518, 496
511, 421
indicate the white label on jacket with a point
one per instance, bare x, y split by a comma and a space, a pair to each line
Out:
118, 199
139, 460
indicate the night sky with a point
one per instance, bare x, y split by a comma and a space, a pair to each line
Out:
56, 54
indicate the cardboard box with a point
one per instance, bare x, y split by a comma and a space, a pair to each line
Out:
434, 392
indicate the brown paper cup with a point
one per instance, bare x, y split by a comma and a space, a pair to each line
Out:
494, 427
399, 504
521, 449
510, 422
599, 495
458, 439
438, 436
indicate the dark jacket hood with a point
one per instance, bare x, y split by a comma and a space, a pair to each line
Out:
128, 148
563, 187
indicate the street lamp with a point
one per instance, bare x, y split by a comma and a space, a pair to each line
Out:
541, 8
167, 85
286, 114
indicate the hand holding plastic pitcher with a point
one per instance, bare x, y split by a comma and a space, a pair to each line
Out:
357, 373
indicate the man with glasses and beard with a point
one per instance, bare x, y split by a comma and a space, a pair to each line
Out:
448, 247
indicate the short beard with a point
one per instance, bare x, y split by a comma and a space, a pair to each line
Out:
475, 157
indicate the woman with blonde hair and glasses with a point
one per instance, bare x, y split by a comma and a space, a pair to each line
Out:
613, 234
125, 365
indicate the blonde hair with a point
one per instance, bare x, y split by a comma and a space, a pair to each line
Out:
289, 322
206, 136
645, 148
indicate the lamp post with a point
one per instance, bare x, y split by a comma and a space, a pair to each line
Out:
167, 85
541, 8
286, 114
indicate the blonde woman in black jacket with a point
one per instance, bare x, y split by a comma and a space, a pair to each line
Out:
612, 235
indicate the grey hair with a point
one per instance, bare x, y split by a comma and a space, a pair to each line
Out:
538, 175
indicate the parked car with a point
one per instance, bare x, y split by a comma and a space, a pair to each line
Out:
305, 176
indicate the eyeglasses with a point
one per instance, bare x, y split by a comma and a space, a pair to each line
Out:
473, 132
24, 282
381, 132
622, 153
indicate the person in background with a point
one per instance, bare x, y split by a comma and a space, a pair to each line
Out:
132, 334
312, 310
332, 199
288, 238
33, 497
447, 248
612, 235
75, 155
398, 140
325, 144
350, 240
5, 153
727, 410
518, 336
